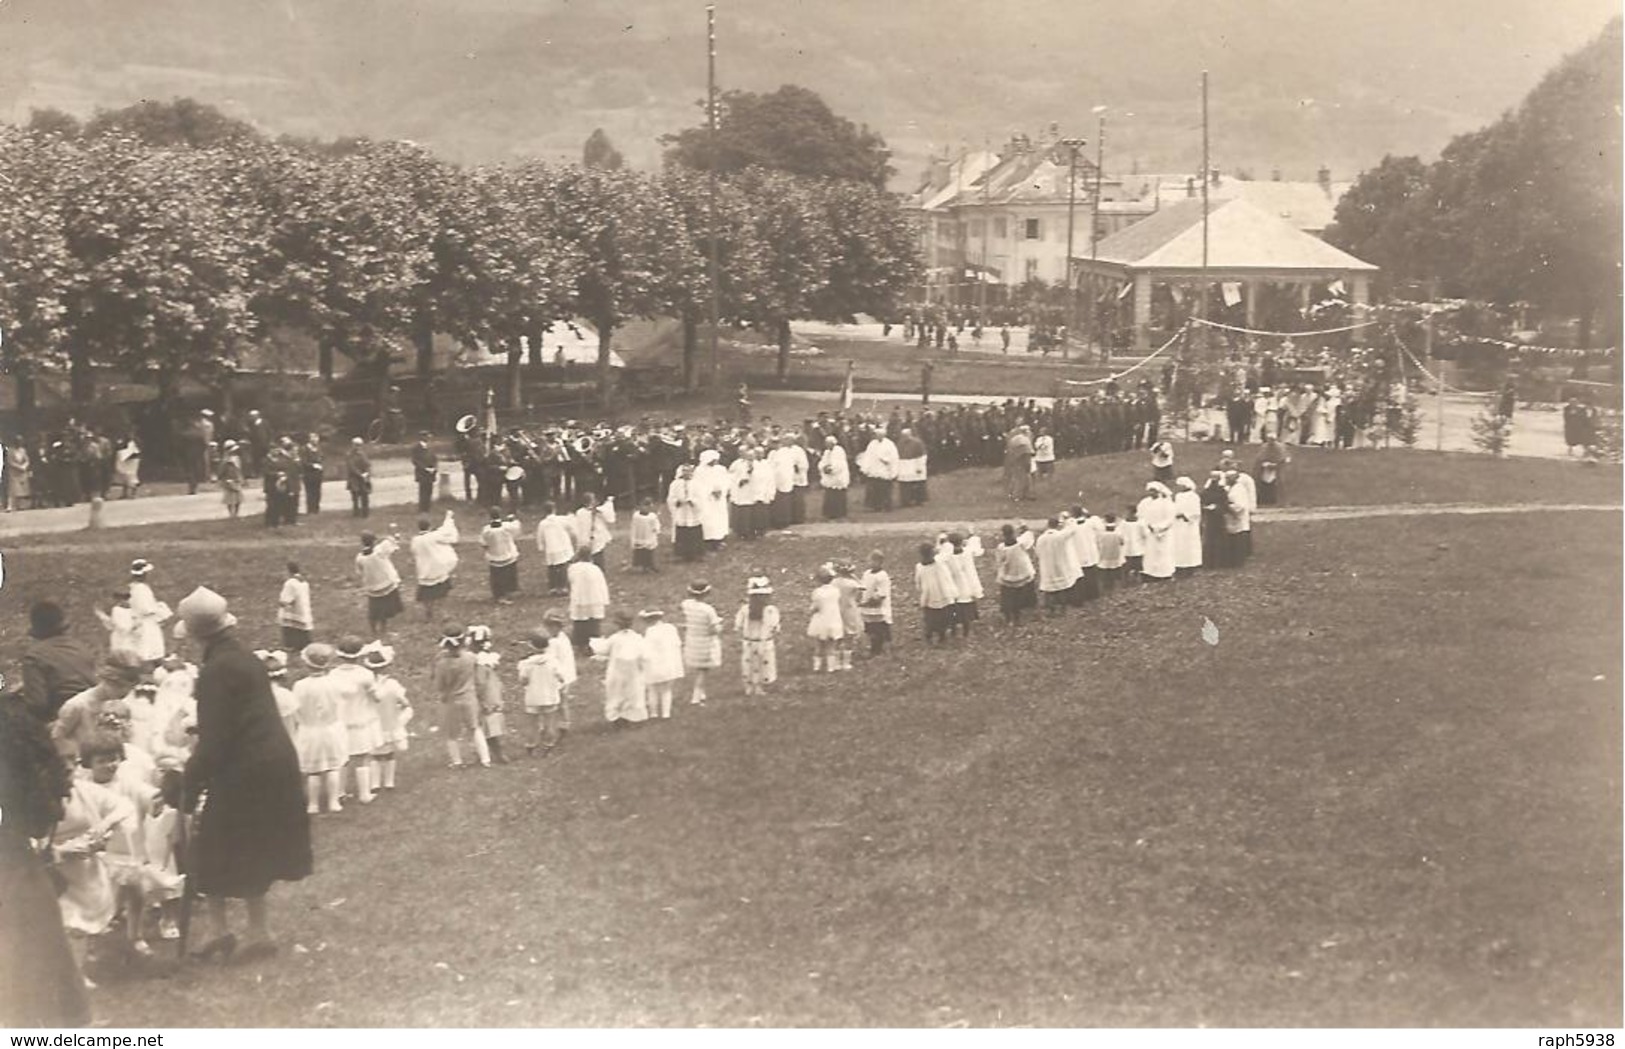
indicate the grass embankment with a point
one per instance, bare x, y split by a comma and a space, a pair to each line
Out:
1389, 795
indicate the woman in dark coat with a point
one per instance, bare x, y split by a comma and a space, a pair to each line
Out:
253, 829
39, 984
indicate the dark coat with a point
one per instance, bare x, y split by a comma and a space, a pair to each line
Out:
253, 830
54, 670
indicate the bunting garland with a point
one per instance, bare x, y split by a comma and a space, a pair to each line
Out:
1135, 367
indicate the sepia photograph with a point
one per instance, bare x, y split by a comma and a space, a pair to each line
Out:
801, 514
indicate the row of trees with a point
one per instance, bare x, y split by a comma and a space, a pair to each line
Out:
1527, 209
163, 244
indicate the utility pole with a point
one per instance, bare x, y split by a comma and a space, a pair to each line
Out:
1094, 228
987, 220
1201, 297
1072, 146
1427, 351
714, 266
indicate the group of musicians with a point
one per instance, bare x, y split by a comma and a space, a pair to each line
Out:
519, 467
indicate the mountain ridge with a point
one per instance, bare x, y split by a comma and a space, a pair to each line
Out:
1294, 84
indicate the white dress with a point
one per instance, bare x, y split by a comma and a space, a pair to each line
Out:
1156, 517
358, 706
92, 814
624, 676
1187, 530
150, 615
665, 645
174, 710
825, 624
127, 466
120, 624
322, 741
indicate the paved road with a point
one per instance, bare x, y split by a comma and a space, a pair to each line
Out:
392, 485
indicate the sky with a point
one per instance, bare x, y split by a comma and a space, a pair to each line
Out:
1295, 83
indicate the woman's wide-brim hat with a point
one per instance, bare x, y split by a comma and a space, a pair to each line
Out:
276, 662
758, 585
351, 647
318, 655
203, 613
120, 665
377, 656
699, 588
140, 567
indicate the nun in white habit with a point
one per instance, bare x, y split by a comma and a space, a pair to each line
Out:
1187, 530
1156, 515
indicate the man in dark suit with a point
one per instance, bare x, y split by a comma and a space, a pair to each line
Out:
424, 466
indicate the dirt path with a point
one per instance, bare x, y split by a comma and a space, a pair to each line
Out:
837, 529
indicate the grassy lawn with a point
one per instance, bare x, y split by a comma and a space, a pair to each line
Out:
1390, 795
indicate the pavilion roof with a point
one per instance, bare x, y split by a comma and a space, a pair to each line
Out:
1241, 237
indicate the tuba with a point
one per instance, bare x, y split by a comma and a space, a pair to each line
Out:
583, 445
466, 424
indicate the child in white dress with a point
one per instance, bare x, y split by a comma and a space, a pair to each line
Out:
665, 660
626, 658
111, 761
541, 686
276, 668
358, 705
93, 815
321, 738
394, 711
488, 686
825, 626
564, 654
120, 622
846, 581
758, 624
150, 613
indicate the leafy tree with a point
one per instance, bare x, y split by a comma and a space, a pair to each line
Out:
876, 257
160, 263
741, 258
792, 130
345, 247
791, 224
182, 122
635, 257
1526, 209
52, 121
600, 152
1370, 221
38, 266
501, 270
